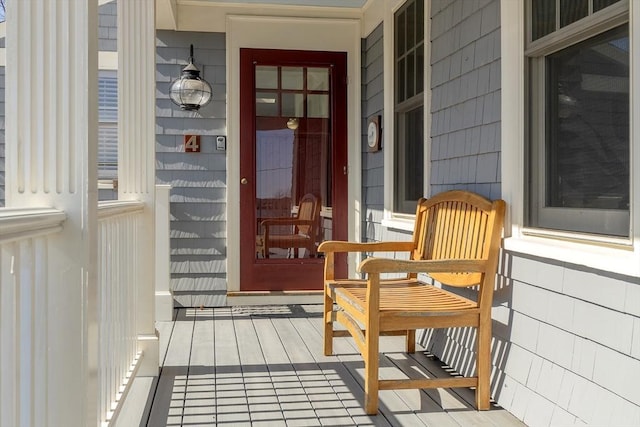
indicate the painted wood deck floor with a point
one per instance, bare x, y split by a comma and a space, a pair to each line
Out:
263, 366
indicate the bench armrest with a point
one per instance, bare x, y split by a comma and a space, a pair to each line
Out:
386, 265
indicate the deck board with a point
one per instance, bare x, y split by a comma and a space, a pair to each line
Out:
264, 366
200, 388
168, 403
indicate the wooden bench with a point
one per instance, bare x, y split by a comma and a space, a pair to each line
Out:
456, 241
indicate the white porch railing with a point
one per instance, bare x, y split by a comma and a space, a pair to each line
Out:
118, 251
24, 341
26, 317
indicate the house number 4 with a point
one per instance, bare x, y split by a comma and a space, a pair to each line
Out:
192, 143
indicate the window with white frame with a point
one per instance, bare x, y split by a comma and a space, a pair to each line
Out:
107, 125
579, 110
409, 105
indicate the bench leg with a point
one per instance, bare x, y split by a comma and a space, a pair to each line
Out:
328, 324
371, 365
371, 358
411, 341
483, 367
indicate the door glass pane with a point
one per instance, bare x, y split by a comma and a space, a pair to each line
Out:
318, 79
266, 77
293, 104
292, 78
266, 103
293, 166
318, 106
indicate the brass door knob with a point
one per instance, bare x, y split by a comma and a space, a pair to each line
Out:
244, 181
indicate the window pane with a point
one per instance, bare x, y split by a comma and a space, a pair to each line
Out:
107, 125
588, 124
108, 151
107, 98
413, 156
411, 75
572, 10
543, 19
601, 4
266, 77
400, 81
419, 21
409, 167
420, 69
411, 26
401, 31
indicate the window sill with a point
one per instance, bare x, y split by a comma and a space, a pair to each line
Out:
398, 223
611, 256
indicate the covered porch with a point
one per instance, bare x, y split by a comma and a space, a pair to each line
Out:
88, 330
85, 295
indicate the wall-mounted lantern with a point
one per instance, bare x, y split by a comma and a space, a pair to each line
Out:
190, 92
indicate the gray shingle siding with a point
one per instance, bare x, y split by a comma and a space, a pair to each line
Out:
465, 130
108, 27
465, 102
198, 180
372, 105
562, 345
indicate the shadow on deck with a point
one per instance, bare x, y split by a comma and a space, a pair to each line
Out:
263, 366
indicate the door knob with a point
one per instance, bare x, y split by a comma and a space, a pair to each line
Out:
244, 181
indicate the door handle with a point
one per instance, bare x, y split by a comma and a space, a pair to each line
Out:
244, 181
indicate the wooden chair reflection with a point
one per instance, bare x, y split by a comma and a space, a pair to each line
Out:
302, 229
456, 241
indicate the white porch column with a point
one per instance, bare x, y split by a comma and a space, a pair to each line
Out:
136, 153
51, 147
164, 297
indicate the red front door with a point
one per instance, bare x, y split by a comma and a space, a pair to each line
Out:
293, 145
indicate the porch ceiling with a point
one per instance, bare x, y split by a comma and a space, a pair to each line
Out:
210, 15
323, 3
